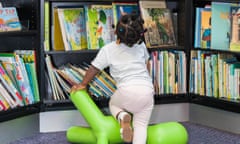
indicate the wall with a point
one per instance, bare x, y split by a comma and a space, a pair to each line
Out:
61, 120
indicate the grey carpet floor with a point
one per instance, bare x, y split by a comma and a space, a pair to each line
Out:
198, 134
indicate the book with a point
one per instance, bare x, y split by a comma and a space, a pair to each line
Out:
206, 29
234, 36
29, 60
158, 22
152, 4
203, 28
99, 20
122, 8
57, 92
9, 20
46, 26
23, 79
57, 32
221, 25
18, 98
73, 26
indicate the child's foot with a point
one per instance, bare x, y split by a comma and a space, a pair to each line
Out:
126, 129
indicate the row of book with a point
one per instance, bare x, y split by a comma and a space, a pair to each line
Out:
217, 26
90, 26
215, 75
60, 81
18, 79
168, 71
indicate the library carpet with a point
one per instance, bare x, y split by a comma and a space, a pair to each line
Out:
198, 134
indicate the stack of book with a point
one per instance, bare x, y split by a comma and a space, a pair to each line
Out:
18, 79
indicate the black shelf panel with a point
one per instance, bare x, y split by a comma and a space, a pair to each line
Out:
19, 33
217, 51
52, 105
91, 1
168, 48
220, 103
171, 98
202, 1
60, 58
19, 112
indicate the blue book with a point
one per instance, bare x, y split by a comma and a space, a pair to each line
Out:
221, 25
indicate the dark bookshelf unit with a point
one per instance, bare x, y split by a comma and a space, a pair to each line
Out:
60, 58
222, 103
26, 39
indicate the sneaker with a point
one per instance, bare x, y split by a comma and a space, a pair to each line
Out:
126, 130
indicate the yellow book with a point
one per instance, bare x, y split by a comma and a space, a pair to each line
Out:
58, 44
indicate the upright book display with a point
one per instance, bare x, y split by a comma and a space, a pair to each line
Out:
19, 30
100, 18
214, 72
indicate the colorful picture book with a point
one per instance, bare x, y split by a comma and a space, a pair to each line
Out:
158, 22
99, 20
202, 35
121, 8
205, 27
73, 27
235, 28
221, 25
9, 20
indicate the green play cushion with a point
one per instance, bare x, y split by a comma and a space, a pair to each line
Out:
105, 129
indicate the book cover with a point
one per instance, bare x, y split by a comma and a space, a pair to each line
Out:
72, 20
122, 8
158, 22
99, 19
235, 27
205, 33
46, 26
22, 79
9, 20
152, 4
6, 81
58, 44
220, 25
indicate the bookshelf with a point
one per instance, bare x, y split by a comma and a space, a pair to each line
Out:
26, 39
60, 58
228, 101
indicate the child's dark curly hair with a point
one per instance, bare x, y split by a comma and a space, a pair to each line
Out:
130, 30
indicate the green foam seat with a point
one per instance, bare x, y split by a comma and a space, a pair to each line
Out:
105, 129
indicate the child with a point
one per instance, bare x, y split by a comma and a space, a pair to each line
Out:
127, 59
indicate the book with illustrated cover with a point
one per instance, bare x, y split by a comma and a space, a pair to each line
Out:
221, 25
205, 28
9, 20
158, 22
99, 20
121, 8
29, 60
235, 27
72, 21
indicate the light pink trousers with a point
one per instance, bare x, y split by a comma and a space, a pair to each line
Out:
137, 100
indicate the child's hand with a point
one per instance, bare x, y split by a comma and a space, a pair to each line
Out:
77, 87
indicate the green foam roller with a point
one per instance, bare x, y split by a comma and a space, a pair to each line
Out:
167, 133
76, 134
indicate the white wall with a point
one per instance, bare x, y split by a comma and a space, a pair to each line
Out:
62, 120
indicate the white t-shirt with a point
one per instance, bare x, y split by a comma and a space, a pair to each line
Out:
127, 64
